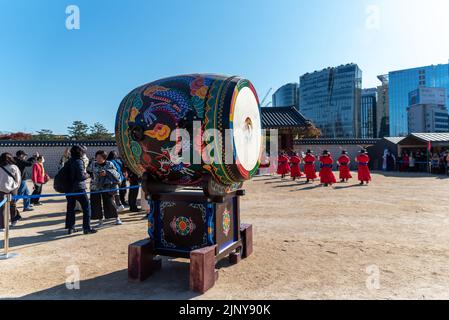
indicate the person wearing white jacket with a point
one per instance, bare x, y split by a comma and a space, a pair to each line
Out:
10, 179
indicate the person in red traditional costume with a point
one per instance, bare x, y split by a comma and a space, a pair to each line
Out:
326, 175
283, 166
309, 166
363, 160
295, 161
343, 163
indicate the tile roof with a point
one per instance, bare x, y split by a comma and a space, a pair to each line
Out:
325, 141
282, 117
432, 137
62, 143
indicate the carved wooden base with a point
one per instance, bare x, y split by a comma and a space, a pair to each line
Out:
203, 275
141, 262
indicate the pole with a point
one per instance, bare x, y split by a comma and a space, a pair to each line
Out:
6, 215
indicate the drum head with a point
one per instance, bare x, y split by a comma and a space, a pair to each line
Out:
246, 126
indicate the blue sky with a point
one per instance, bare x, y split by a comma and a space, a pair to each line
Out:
50, 76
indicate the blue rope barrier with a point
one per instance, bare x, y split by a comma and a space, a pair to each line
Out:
416, 162
71, 194
3, 202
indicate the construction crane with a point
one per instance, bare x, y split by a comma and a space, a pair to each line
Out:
265, 98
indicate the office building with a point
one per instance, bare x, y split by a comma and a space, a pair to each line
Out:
402, 82
427, 111
368, 113
287, 96
383, 108
331, 99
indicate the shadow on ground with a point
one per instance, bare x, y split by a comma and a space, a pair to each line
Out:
171, 282
397, 174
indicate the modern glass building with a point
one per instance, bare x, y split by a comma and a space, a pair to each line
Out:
402, 82
383, 108
368, 110
287, 96
331, 99
427, 110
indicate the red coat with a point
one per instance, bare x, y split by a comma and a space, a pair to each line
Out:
283, 166
344, 162
364, 174
309, 166
294, 164
38, 175
326, 174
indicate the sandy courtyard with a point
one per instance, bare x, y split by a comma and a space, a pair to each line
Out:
310, 242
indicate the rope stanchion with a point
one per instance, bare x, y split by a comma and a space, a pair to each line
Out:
72, 194
6, 214
7, 202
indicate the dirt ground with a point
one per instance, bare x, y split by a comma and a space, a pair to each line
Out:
386, 241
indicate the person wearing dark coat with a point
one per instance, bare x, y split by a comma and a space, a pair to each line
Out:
22, 163
134, 181
78, 177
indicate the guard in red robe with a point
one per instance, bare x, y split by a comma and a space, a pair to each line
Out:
343, 163
295, 161
309, 166
363, 171
326, 175
283, 166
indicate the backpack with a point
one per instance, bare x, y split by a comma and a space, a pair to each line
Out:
63, 180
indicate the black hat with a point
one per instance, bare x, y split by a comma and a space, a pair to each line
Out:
344, 152
77, 151
325, 153
20, 153
309, 151
363, 151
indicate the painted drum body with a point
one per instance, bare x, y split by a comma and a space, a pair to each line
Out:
149, 116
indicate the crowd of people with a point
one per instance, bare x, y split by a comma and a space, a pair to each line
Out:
291, 165
106, 172
417, 160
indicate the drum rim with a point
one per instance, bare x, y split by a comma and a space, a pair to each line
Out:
245, 83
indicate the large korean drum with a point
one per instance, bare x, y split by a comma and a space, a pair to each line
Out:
199, 130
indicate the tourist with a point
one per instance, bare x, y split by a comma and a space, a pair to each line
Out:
309, 166
447, 164
10, 179
120, 194
104, 177
65, 157
283, 166
295, 162
134, 181
391, 161
405, 162
343, 164
411, 162
363, 170
78, 176
327, 176
22, 163
435, 163
39, 178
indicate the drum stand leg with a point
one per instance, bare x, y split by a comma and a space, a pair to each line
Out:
202, 269
246, 233
141, 261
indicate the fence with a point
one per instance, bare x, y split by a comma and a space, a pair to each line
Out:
7, 204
